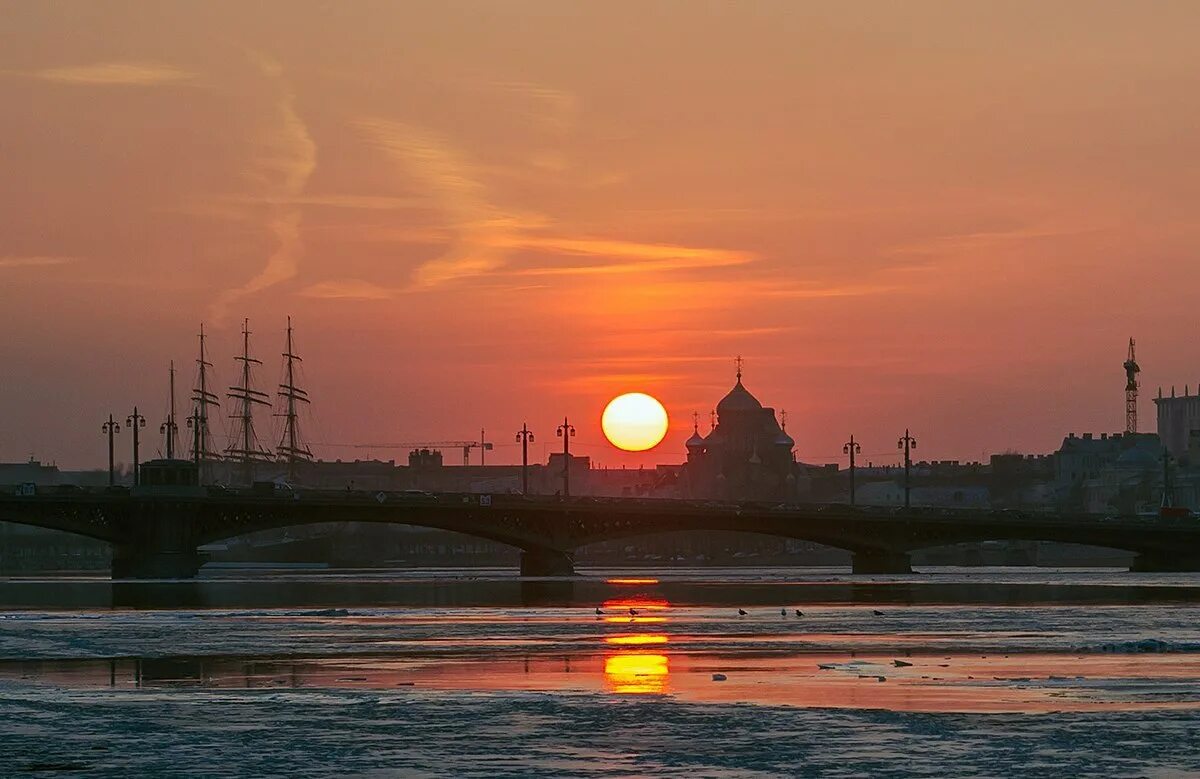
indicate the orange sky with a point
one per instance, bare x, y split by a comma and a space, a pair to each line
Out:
946, 216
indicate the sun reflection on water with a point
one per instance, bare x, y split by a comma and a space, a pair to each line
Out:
640, 639
636, 673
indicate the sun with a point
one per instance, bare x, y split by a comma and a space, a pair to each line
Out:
634, 422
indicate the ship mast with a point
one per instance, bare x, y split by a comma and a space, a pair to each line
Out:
169, 429
291, 449
244, 445
202, 399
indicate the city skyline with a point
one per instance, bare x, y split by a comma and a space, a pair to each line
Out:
899, 218
224, 430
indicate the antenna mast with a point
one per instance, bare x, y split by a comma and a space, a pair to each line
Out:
291, 450
202, 399
1131, 390
244, 445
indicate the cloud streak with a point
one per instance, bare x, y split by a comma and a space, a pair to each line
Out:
33, 261
349, 289
481, 231
630, 256
286, 158
106, 74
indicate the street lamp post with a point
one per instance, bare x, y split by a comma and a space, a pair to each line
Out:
134, 422
907, 443
112, 428
851, 448
196, 424
565, 431
524, 436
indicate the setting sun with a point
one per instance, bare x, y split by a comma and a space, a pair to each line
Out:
634, 422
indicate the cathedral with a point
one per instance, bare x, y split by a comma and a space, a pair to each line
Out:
746, 456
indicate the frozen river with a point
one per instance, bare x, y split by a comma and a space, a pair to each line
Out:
953, 672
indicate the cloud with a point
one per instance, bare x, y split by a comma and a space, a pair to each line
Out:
349, 289
481, 232
817, 291
286, 158
363, 202
33, 261
633, 257
133, 74
985, 238
556, 109
593, 383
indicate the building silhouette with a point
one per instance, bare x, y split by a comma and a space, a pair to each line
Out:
746, 456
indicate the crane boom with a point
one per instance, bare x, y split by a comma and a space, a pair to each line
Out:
1131, 390
466, 446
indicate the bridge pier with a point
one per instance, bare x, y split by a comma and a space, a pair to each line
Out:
1166, 562
162, 544
880, 561
138, 562
547, 562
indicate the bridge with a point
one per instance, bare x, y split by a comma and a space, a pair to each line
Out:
156, 532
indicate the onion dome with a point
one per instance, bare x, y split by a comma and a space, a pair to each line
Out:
783, 439
738, 400
696, 441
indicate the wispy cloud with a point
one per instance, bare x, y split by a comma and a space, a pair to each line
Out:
626, 256
349, 289
285, 160
592, 383
482, 232
33, 261
133, 74
363, 202
556, 109
959, 242
818, 291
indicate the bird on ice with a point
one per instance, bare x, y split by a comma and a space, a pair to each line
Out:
742, 612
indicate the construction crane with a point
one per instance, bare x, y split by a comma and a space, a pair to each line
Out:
466, 446
1131, 391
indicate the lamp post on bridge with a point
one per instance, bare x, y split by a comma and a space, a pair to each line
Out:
197, 424
565, 431
112, 427
135, 421
907, 443
525, 437
851, 448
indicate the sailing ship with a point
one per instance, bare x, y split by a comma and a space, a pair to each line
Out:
245, 458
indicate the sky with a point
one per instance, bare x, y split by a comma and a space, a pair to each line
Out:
942, 216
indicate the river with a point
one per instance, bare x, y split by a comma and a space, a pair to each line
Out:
680, 672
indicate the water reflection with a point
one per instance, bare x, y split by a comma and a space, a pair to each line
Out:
637, 673
491, 588
639, 639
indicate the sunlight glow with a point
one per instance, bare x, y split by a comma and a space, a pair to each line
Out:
634, 422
